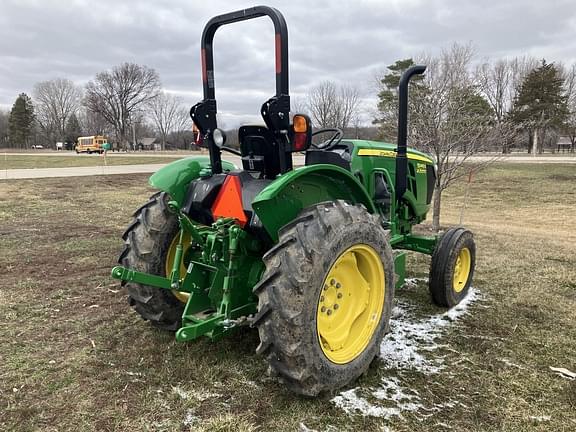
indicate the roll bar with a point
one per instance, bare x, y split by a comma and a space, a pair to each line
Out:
281, 45
275, 111
401, 157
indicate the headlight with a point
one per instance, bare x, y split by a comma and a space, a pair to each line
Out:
219, 137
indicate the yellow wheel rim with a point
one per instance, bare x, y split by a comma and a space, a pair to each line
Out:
462, 270
182, 296
350, 304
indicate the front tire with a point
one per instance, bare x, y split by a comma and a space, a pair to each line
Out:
452, 267
147, 243
325, 298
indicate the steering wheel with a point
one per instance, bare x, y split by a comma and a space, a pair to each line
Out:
336, 137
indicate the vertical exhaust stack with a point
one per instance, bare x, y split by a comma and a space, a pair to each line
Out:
401, 158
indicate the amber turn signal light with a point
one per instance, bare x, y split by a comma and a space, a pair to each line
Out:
300, 123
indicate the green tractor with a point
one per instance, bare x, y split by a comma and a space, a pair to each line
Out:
310, 256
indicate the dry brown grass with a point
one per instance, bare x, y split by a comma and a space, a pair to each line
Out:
75, 357
8, 161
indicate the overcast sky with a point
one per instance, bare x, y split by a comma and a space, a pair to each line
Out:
345, 41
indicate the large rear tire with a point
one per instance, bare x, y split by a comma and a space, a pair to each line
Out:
147, 242
452, 267
325, 297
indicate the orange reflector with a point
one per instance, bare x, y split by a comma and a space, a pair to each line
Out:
228, 203
300, 123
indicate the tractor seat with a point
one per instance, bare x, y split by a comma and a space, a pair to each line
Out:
259, 151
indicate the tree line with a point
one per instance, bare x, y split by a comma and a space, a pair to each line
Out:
462, 107
525, 102
125, 104
459, 108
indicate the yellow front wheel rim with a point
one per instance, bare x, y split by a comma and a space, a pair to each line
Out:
461, 270
182, 296
350, 304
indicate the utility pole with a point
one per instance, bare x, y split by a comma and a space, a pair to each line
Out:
133, 136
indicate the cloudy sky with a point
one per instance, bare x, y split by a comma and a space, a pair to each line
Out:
344, 41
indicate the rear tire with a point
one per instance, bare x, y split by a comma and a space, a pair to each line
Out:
146, 244
292, 289
452, 267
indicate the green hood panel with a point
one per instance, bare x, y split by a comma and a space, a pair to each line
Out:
175, 177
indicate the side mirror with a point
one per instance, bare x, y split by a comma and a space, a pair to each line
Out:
300, 133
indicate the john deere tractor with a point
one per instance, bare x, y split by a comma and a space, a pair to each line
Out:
310, 256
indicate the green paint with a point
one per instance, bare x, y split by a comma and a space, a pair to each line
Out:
175, 177
128, 275
400, 268
281, 201
225, 261
220, 277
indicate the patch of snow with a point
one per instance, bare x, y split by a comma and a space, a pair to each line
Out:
410, 336
541, 418
303, 428
252, 384
180, 392
351, 403
390, 390
203, 395
413, 282
199, 395
510, 364
190, 418
563, 372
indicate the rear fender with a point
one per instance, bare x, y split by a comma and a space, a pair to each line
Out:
281, 201
175, 177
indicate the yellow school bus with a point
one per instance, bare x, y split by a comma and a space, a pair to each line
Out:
91, 144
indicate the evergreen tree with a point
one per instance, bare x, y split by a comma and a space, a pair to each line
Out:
21, 121
388, 98
541, 103
73, 129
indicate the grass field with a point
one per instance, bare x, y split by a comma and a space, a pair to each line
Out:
9, 161
75, 357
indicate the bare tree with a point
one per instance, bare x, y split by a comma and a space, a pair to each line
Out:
183, 128
450, 121
322, 101
118, 94
299, 105
332, 106
499, 83
55, 101
4, 117
520, 67
570, 85
494, 81
167, 114
94, 123
348, 106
